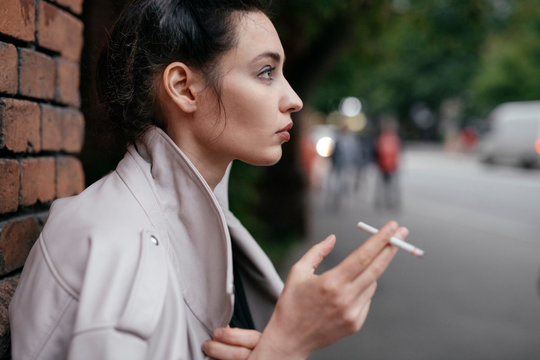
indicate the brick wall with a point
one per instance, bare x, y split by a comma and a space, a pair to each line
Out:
41, 127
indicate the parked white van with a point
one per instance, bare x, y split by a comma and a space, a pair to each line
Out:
514, 136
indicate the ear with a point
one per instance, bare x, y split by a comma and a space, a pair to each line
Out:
180, 85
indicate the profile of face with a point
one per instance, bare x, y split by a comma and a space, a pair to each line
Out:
252, 120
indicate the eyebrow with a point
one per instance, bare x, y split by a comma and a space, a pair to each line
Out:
273, 55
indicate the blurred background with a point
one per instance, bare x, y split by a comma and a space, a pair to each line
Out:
422, 111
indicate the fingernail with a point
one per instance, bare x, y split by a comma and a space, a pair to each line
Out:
402, 232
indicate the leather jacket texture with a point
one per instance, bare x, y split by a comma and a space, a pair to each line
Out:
138, 265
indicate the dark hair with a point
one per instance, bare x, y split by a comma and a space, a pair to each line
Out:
151, 34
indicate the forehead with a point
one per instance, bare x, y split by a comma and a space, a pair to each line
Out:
256, 34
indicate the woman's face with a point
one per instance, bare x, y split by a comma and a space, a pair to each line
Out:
256, 99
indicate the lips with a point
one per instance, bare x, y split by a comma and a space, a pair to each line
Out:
287, 128
284, 133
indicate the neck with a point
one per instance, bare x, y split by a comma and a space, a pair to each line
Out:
210, 165
211, 168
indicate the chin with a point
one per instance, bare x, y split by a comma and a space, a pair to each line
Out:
269, 159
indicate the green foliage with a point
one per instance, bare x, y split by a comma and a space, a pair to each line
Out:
246, 202
483, 52
510, 66
425, 54
244, 197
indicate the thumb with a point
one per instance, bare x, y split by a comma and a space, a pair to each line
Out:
314, 256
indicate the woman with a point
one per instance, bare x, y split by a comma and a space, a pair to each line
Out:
141, 265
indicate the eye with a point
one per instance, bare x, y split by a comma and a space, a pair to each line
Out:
266, 72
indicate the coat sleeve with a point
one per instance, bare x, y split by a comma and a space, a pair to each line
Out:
41, 311
121, 299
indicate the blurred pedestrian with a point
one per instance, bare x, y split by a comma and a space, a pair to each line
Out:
149, 262
387, 159
345, 161
363, 159
468, 138
308, 156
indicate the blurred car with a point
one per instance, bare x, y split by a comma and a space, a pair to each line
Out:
514, 137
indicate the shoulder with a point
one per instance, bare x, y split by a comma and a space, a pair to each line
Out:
108, 201
97, 251
102, 224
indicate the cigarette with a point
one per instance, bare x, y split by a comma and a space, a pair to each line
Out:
394, 241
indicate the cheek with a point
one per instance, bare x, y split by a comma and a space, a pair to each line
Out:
250, 108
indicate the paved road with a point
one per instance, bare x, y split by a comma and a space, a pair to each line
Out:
476, 293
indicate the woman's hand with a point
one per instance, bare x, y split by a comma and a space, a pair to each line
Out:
231, 343
315, 311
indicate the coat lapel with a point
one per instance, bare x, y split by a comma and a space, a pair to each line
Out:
186, 213
195, 222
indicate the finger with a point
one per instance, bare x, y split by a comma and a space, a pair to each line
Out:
374, 270
364, 310
383, 259
354, 264
401, 233
218, 350
359, 310
365, 295
236, 336
314, 256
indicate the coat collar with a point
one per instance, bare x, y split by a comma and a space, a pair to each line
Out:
187, 214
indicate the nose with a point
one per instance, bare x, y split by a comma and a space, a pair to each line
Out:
291, 102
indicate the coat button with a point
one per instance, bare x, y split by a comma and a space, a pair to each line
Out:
154, 240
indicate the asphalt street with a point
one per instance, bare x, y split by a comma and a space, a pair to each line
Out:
476, 292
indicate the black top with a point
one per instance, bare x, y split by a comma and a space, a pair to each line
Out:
241, 316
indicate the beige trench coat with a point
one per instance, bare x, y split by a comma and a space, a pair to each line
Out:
138, 266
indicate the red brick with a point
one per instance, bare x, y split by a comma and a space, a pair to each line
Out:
37, 75
7, 289
16, 240
51, 128
9, 191
73, 5
69, 176
60, 31
67, 83
19, 125
72, 131
37, 180
8, 68
61, 129
18, 19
